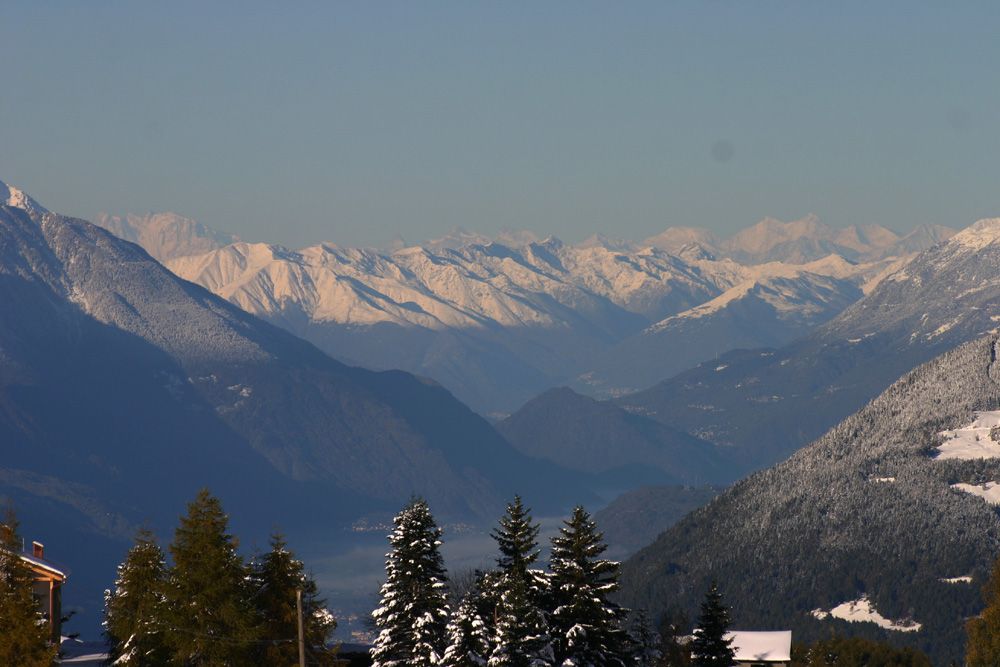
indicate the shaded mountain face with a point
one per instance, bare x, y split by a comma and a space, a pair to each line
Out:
124, 389
890, 509
580, 433
635, 519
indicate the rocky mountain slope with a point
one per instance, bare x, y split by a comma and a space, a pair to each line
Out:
497, 321
889, 520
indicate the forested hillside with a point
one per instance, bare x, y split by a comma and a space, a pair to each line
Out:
870, 510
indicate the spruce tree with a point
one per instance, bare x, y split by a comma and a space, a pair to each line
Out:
24, 636
468, 638
644, 641
586, 625
212, 619
983, 644
134, 612
710, 647
520, 625
277, 575
413, 613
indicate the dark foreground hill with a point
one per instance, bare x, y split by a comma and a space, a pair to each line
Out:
867, 511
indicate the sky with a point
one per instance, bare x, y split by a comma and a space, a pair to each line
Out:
355, 122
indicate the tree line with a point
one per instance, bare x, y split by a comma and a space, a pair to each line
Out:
514, 615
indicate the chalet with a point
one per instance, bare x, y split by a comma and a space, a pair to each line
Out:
760, 649
46, 587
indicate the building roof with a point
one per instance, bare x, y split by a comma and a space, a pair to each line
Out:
761, 646
45, 565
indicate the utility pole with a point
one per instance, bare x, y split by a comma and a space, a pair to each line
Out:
302, 639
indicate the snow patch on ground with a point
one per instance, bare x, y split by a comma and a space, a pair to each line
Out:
972, 441
863, 611
990, 491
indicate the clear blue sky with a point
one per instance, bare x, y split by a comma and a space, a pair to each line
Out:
353, 122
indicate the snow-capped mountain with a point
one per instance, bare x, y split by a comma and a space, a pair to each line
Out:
774, 305
165, 235
885, 526
801, 241
497, 321
124, 389
767, 403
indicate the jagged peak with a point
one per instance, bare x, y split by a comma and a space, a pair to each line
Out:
15, 198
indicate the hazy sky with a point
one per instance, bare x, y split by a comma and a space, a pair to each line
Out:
354, 122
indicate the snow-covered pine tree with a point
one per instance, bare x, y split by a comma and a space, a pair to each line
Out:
468, 638
24, 638
710, 647
413, 613
586, 626
134, 611
276, 577
519, 594
212, 619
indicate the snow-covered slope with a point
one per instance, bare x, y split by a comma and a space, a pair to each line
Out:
791, 544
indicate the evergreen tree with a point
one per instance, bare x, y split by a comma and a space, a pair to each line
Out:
277, 576
644, 641
673, 651
710, 647
212, 619
518, 592
586, 625
134, 612
413, 615
983, 644
468, 638
24, 636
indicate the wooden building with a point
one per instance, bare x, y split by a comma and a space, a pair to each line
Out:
47, 587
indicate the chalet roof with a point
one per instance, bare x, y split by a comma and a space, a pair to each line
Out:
43, 564
761, 646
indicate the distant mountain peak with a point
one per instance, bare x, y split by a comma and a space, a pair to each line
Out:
15, 198
979, 235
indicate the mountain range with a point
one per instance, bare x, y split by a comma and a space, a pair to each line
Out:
124, 389
497, 321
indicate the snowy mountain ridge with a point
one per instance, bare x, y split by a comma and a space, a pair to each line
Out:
499, 320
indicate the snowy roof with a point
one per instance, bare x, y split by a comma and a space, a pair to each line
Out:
754, 646
43, 564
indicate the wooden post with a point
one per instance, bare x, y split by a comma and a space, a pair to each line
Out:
302, 639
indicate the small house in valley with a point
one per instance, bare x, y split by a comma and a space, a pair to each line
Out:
762, 649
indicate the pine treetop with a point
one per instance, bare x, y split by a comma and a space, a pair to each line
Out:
517, 538
710, 647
